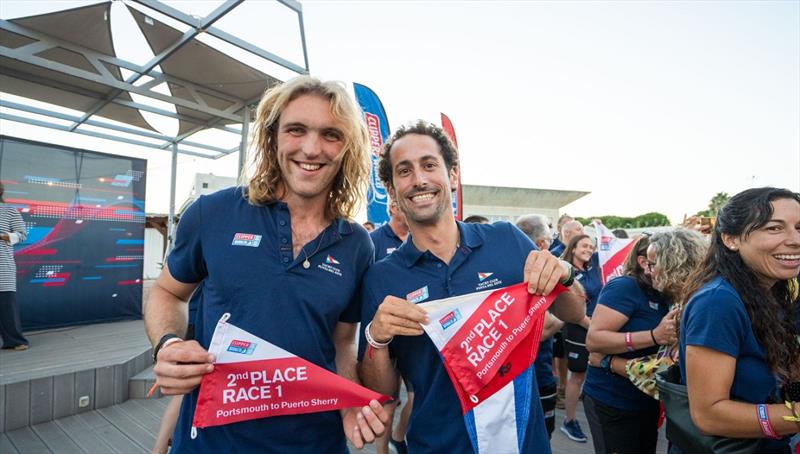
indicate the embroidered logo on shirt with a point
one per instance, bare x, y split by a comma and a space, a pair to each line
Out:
484, 282
243, 347
653, 305
246, 239
328, 265
389, 250
450, 319
418, 295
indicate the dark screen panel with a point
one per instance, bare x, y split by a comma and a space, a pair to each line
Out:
82, 260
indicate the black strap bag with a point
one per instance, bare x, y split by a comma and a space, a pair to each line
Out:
682, 432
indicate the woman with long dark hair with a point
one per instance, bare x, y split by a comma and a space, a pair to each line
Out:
580, 254
740, 355
631, 320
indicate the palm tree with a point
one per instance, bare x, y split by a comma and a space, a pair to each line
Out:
717, 202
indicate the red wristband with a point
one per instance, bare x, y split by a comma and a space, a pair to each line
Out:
763, 418
629, 341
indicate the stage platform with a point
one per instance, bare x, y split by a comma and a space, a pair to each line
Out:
69, 371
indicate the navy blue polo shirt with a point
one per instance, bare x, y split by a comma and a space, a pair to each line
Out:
557, 247
591, 281
644, 312
715, 318
490, 256
243, 256
385, 241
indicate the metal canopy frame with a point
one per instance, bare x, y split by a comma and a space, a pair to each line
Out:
211, 117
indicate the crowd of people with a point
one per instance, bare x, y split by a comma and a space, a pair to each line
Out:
722, 309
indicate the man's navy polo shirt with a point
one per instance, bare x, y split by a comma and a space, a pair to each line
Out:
385, 241
243, 255
557, 247
437, 425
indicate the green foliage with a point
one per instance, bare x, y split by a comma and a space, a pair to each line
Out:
718, 201
619, 222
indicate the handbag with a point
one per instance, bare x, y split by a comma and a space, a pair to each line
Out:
682, 432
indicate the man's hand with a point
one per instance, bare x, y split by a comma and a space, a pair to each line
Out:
363, 425
397, 317
543, 271
181, 366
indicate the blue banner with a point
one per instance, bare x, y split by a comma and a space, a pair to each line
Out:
378, 129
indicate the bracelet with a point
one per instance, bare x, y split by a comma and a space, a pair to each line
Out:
653, 336
371, 340
762, 411
571, 275
629, 342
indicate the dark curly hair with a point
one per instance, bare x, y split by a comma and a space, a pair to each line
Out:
446, 148
631, 265
771, 311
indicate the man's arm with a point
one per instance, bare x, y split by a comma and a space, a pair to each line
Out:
180, 365
552, 325
361, 425
542, 272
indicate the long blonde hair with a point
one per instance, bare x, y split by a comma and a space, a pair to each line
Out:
350, 184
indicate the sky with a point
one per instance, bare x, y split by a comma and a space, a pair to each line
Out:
650, 106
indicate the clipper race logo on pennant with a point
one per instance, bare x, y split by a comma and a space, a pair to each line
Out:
493, 339
269, 381
611, 251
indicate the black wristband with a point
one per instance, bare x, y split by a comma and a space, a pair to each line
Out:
571, 277
653, 336
161, 342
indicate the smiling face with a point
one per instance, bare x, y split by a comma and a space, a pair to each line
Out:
421, 183
309, 145
582, 253
773, 250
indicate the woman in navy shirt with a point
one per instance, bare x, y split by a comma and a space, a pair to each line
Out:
579, 253
631, 319
739, 352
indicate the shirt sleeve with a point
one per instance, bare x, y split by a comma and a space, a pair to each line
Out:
620, 294
366, 256
186, 261
716, 319
18, 226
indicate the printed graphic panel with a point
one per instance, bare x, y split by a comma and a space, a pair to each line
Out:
84, 211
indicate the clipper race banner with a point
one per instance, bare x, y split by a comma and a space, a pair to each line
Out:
458, 210
253, 378
488, 338
378, 129
611, 251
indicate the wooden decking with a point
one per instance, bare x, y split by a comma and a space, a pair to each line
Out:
130, 427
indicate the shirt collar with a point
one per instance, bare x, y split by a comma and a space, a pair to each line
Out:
470, 239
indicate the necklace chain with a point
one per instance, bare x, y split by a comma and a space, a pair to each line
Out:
306, 256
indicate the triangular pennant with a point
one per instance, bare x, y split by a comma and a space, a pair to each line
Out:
486, 339
611, 251
253, 378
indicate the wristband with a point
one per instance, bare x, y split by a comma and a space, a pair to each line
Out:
371, 340
571, 276
763, 419
165, 340
629, 342
606, 362
653, 336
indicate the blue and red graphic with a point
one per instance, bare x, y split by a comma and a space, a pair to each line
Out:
243, 347
84, 212
450, 319
378, 129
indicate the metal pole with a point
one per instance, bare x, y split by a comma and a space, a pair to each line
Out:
171, 218
243, 146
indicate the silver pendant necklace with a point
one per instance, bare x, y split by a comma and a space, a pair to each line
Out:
306, 263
